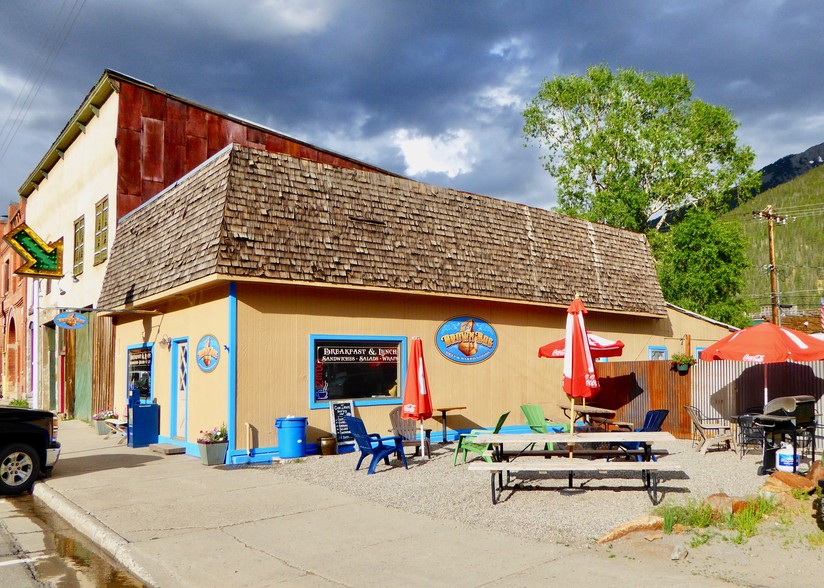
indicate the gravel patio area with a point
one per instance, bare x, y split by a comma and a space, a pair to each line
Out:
550, 512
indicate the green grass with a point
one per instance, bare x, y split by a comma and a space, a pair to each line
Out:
745, 521
697, 515
18, 402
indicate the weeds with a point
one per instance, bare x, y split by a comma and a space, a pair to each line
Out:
800, 494
693, 515
18, 402
816, 539
698, 515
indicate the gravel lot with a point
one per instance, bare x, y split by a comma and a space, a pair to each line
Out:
551, 512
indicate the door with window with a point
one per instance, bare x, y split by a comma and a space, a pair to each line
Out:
180, 389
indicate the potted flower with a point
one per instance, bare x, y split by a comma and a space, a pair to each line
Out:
681, 362
212, 445
99, 419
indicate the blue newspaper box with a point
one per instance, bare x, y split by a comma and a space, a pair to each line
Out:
144, 424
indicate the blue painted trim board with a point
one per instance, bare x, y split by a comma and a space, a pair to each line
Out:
232, 376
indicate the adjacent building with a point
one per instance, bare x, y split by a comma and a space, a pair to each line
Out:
125, 143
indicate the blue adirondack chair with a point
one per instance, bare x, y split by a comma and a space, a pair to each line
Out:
653, 421
372, 444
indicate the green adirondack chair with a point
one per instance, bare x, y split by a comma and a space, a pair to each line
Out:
534, 415
466, 443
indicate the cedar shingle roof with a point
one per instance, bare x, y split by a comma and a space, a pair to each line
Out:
273, 217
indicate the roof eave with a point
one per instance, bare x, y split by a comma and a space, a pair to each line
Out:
87, 111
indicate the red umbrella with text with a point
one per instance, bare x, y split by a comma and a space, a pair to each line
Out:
417, 401
766, 343
598, 346
580, 380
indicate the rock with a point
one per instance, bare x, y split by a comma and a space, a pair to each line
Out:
642, 523
738, 505
680, 552
816, 472
786, 482
654, 536
721, 504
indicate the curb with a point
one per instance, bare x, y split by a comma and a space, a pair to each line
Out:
101, 535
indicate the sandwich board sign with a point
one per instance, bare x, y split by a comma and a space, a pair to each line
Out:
337, 410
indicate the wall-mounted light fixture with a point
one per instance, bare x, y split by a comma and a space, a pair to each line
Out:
166, 342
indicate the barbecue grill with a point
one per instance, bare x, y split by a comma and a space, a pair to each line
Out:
788, 419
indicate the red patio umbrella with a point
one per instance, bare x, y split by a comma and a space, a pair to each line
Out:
766, 343
598, 346
417, 401
580, 380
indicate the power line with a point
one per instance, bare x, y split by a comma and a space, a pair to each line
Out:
44, 62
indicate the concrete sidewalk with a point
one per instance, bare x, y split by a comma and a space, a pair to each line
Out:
174, 522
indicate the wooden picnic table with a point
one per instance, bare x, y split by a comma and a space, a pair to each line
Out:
596, 417
521, 444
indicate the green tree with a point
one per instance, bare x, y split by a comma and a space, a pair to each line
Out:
629, 146
700, 265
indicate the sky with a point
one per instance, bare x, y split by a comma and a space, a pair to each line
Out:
433, 90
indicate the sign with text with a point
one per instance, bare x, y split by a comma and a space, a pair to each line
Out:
338, 410
466, 339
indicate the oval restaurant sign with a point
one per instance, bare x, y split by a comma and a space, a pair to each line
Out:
466, 339
208, 353
70, 320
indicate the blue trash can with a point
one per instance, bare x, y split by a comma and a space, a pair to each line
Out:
291, 436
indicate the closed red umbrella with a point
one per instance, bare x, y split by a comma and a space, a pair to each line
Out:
417, 400
766, 343
598, 346
580, 380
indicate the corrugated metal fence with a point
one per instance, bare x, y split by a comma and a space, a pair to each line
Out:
718, 388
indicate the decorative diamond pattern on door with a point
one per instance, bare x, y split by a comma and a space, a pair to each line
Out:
182, 388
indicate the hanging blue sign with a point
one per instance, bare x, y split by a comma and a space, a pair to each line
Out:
207, 353
466, 339
70, 320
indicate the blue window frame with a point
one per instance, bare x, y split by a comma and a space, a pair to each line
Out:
657, 353
698, 351
370, 370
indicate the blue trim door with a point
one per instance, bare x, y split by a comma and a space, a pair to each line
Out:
180, 390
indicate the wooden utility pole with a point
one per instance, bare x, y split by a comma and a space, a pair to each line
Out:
772, 218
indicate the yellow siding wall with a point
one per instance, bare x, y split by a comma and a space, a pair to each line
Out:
275, 322
192, 316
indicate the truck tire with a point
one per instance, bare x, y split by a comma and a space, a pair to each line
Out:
19, 467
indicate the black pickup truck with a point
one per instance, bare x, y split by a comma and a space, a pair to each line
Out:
28, 447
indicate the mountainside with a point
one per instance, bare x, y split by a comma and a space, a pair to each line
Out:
799, 242
790, 167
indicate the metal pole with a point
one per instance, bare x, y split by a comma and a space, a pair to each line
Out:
773, 274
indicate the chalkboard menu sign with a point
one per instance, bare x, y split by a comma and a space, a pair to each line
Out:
338, 410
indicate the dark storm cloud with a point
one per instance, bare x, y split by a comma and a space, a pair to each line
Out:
389, 81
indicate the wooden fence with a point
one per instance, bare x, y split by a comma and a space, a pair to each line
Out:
718, 388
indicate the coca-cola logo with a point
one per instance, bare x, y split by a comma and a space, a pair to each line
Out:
557, 353
754, 358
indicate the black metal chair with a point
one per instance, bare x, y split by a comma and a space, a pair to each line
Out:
749, 434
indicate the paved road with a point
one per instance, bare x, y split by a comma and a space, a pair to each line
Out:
18, 551
41, 549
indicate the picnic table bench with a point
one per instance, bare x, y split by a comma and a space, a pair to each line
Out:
583, 445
